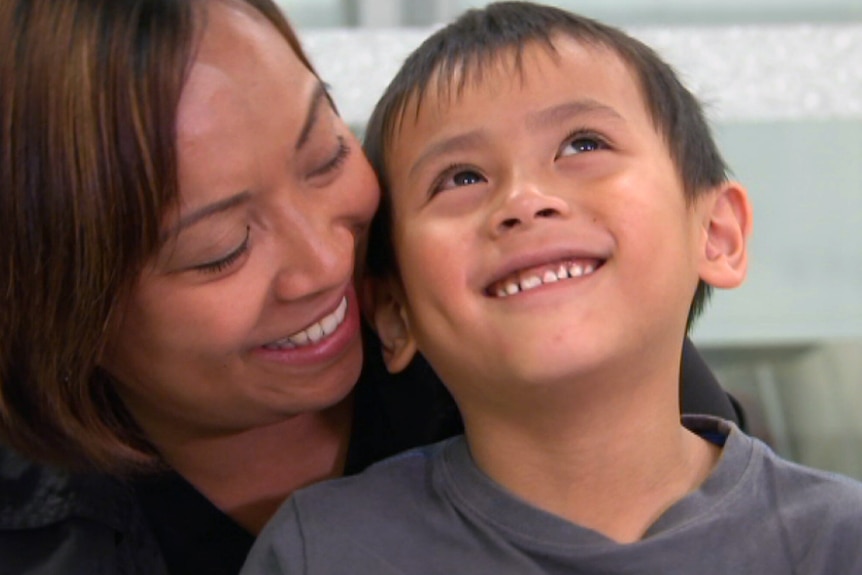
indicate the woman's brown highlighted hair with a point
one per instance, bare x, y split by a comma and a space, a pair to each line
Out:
88, 169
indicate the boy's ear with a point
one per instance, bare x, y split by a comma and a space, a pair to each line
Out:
385, 310
727, 223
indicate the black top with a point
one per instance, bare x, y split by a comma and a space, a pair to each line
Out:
55, 523
391, 414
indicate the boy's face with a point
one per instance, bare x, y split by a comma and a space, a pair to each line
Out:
540, 225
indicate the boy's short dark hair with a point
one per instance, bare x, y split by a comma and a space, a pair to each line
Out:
463, 48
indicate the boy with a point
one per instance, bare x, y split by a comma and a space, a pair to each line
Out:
555, 208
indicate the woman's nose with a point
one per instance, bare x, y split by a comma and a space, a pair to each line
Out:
314, 259
321, 233
524, 205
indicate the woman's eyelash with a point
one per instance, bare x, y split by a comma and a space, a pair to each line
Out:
336, 161
225, 262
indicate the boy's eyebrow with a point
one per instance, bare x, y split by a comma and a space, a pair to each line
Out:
556, 114
454, 144
317, 98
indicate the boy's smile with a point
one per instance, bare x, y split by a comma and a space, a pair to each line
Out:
540, 225
531, 278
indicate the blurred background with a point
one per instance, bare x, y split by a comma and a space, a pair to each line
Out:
782, 83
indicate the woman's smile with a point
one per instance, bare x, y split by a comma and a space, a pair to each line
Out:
315, 332
322, 342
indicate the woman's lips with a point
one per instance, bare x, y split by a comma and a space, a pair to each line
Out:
315, 332
321, 342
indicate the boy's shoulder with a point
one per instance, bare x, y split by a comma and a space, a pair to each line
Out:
381, 491
778, 515
815, 515
361, 519
754, 486
799, 491
820, 512
790, 486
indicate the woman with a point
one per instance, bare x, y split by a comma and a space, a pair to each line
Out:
181, 338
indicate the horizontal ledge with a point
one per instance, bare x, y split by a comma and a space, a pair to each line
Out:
741, 73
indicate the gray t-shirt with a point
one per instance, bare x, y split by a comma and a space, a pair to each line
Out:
432, 511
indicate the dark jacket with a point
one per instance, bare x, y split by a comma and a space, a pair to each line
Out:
55, 523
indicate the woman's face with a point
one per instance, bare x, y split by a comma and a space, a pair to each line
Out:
248, 314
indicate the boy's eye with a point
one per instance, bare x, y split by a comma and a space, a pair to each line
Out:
466, 178
581, 143
458, 177
227, 261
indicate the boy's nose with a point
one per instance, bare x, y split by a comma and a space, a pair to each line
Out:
523, 207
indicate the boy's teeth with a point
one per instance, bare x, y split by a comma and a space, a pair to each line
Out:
531, 280
315, 332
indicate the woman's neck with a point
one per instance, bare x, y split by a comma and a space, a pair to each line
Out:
248, 475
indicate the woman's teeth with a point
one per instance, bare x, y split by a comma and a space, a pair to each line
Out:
315, 332
525, 281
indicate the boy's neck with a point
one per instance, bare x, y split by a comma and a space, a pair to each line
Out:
248, 475
612, 456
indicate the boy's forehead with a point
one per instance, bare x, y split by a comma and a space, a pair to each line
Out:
487, 76
479, 74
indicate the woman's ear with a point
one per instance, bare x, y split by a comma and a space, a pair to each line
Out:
727, 223
385, 309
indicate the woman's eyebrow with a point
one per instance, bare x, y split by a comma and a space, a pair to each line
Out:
317, 98
206, 211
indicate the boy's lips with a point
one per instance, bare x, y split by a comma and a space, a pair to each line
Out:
315, 332
534, 276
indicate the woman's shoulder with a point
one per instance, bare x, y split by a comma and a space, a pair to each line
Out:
52, 521
33, 495
396, 412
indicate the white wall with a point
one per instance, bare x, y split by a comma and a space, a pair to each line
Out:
787, 104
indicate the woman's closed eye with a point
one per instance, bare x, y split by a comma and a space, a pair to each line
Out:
457, 176
335, 161
580, 142
222, 264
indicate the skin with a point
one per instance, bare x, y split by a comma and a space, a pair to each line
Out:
275, 195
568, 390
